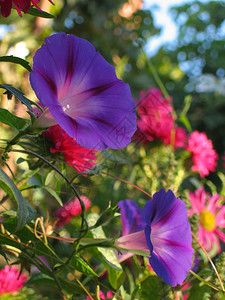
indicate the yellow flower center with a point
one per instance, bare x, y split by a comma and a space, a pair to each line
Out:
207, 220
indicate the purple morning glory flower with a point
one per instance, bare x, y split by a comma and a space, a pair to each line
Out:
132, 216
167, 234
81, 93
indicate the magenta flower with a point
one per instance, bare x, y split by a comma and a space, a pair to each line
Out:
166, 235
69, 210
156, 120
203, 155
10, 281
76, 156
212, 217
82, 93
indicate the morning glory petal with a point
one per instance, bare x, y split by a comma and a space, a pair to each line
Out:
168, 235
82, 93
132, 216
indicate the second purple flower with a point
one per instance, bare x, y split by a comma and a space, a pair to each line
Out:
82, 93
162, 229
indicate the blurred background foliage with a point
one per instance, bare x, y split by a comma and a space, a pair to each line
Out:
195, 64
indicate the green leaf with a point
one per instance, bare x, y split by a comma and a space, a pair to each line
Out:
24, 234
53, 193
222, 178
49, 176
116, 278
20, 160
97, 169
123, 293
183, 118
183, 115
82, 266
107, 256
137, 252
25, 213
16, 60
48, 189
8, 213
198, 290
43, 279
39, 13
20, 95
116, 156
150, 288
3, 254
8, 118
107, 215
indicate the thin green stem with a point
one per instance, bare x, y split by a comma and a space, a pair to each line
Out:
102, 172
67, 181
156, 77
59, 286
84, 288
206, 282
14, 141
214, 267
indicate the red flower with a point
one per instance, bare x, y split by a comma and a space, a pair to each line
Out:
10, 281
75, 155
69, 210
20, 5
203, 155
156, 120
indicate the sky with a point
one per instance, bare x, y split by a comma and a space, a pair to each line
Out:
163, 19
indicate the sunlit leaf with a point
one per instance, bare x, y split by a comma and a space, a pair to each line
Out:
107, 256
150, 288
25, 213
48, 189
39, 13
8, 118
20, 95
82, 266
16, 60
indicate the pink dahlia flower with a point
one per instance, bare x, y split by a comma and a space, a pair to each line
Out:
162, 229
212, 217
156, 120
81, 93
20, 5
69, 210
203, 155
10, 281
76, 156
